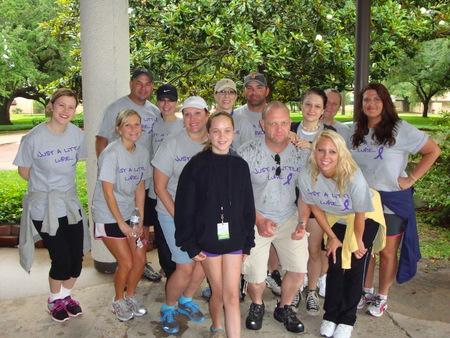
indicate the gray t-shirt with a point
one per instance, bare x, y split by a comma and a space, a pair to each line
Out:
125, 170
307, 135
243, 131
171, 157
274, 195
149, 114
326, 195
342, 129
383, 165
52, 159
253, 117
161, 130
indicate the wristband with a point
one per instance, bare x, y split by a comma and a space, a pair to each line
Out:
415, 179
301, 223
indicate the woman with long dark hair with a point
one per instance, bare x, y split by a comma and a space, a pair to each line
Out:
380, 144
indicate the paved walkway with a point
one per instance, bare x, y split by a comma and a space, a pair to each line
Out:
9, 144
416, 309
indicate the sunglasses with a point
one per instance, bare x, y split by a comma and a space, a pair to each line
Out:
277, 161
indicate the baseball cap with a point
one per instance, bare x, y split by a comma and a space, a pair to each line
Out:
257, 77
225, 83
167, 91
194, 102
141, 70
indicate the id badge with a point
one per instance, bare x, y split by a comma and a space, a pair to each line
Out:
223, 231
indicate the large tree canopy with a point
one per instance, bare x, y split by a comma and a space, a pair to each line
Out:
297, 44
427, 73
30, 58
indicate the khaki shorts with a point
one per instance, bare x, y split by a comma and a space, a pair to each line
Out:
293, 254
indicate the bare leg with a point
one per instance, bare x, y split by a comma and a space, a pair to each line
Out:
139, 260
290, 286
388, 264
370, 276
231, 274
196, 279
122, 253
314, 248
213, 269
255, 291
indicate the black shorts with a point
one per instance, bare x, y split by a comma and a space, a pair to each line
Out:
108, 230
150, 214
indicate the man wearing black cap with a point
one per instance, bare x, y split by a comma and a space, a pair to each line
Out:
141, 87
256, 92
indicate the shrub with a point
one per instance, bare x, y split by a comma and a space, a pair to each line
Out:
78, 120
434, 186
13, 188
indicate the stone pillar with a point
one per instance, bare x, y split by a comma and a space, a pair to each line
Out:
105, 60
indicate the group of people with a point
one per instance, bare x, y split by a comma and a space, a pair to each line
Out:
234, 194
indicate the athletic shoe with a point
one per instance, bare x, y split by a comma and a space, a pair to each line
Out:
57, 310
73, 307
343, 331
255, 316
377, 307
168, 321
305, 283
206, 293
366, 299
120, 308
273, 282
287, 316
312, 303
136, 306
322, 284
217, 333
191, 310
151, 274
297, 299
327, 328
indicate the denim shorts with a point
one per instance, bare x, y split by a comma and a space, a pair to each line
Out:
168, 228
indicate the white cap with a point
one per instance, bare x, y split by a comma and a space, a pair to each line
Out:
194, 102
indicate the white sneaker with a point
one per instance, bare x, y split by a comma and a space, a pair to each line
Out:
366, 299
322, 284
343, 331
327, 328
377, 307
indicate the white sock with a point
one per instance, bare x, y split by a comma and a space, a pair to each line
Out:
64, 292
54, 296
384, 297
369, 290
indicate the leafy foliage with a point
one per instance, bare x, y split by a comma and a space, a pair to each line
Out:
297, 44
78, 120
31, 57
427, 73
13, 188
434, 187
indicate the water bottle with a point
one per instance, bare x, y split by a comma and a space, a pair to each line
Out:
135, 219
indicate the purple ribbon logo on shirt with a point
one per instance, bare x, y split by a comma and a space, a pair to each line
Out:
380, 151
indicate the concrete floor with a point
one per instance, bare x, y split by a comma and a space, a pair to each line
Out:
416, 309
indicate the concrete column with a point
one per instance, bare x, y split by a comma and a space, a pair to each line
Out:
362, 47
105, 60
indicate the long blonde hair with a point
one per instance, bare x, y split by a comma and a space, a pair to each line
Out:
346, 165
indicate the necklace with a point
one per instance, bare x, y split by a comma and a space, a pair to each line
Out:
309, 129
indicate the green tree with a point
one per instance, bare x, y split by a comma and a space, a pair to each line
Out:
31, 57
427, 73
297, 44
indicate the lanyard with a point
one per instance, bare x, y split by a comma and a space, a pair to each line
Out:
223, 198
